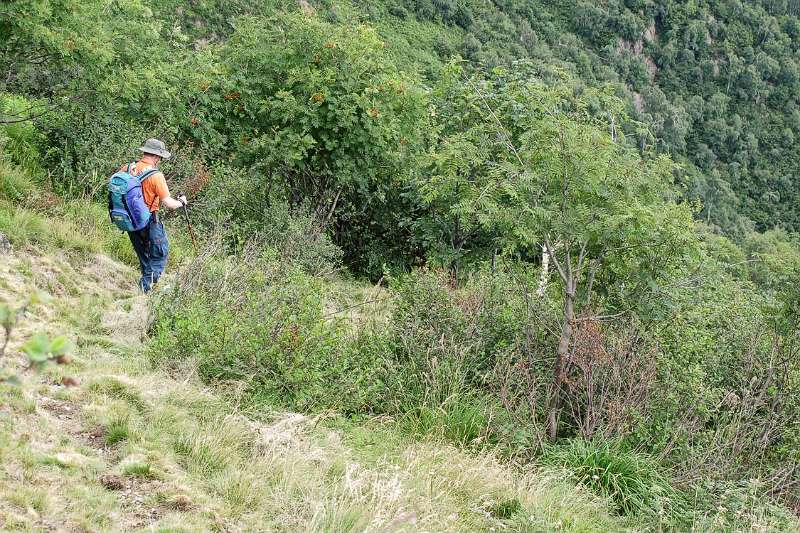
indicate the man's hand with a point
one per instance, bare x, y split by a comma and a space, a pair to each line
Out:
174, 203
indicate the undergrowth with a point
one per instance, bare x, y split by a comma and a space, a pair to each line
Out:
131, 448
446, 364
633, 482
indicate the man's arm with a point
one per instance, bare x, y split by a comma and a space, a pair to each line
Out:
164, 196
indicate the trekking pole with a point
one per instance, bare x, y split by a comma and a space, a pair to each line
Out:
189, 225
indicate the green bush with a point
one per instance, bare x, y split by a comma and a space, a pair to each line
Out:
263, 323
269, 329
20, 140
244, 207
734, 507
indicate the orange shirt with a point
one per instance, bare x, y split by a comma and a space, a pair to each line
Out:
154, 188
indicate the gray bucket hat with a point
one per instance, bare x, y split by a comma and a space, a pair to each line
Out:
155, 147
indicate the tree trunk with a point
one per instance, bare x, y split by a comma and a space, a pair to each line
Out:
560, 367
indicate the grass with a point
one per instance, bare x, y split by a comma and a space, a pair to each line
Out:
15, 184
118, 429
190, 460
114, 388
30, 216
35, 498
144, 470
213, 465
631, 481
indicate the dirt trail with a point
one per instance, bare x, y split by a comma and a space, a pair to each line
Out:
94, 303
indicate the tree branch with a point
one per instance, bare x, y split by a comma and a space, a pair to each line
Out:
555, 260
599, 318
496, 119
581, 257
26, 119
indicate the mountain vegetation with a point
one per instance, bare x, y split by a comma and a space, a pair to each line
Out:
540, 235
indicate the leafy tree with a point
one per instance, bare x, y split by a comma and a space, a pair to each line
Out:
598, 208
319, 114
774, 261
452, 188
104, 76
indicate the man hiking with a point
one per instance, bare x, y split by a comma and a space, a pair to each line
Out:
150, 241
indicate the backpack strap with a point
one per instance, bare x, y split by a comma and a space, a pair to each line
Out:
146, 174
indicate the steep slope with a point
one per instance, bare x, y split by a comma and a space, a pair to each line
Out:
129, 447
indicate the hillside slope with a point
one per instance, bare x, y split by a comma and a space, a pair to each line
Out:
131, 448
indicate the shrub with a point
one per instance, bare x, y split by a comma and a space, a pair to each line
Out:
20, 140
722, 354
465, 364
262, 323
298, 235
446, 342
739, 507
265, 327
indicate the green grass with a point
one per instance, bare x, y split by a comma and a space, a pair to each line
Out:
51, 460
35, 498
461, 420
24, 227
210, 449
633, 482
114, 388
143, 470
15, 185
32, 216
118, 429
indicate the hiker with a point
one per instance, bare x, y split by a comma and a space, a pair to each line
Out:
145, 229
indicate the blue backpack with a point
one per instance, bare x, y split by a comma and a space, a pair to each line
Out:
126, 205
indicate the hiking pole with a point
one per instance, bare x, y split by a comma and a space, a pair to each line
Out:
189, 225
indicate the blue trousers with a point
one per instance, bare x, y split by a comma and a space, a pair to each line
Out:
152, 248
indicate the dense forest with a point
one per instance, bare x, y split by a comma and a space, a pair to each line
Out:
713, 83
584, 214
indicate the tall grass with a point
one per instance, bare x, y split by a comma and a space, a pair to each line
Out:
633, 482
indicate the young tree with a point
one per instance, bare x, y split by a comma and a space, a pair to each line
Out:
454, 184
602, 212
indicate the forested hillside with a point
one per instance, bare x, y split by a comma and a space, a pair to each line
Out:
543, 236
715, 83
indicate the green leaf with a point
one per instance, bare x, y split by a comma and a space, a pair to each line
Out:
37, 348
59, 346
